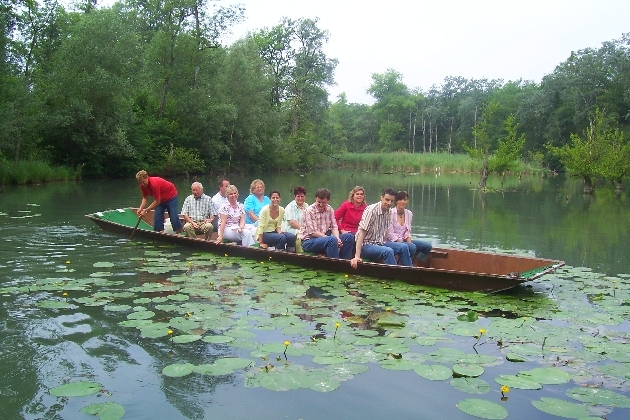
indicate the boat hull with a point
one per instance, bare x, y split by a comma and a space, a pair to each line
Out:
458, 270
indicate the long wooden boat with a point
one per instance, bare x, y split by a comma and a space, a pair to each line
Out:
453, 269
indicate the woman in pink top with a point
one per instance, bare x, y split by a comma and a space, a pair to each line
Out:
400, 228
348, 215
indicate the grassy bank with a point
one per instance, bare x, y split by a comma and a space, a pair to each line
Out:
422, 162
33, 172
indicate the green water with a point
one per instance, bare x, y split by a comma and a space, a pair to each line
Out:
47, 242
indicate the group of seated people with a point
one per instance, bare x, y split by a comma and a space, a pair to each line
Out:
301, 227
378, 232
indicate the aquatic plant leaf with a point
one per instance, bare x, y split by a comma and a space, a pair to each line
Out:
470, 316
547, 376
103, 264
561, 408
141, 315
117, 308
325, 385
433, 372
186, 338
177, 370
138, 323
105, 411
213, 369
517, 381
515, 357
482, 408
54, 304
217, 339
398, 364
329, 360
599, 396
76, 389
469, 370
471, 385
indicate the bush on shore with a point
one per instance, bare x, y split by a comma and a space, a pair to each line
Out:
422, 162
33, 172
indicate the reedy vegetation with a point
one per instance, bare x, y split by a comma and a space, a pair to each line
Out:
148, 84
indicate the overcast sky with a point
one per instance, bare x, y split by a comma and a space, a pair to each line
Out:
426, 41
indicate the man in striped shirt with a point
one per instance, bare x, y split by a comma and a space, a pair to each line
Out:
198, 211
319, 232
371, 238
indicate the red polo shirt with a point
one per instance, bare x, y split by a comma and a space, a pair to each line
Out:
159, 188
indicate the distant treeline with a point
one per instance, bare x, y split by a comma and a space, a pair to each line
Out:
142, 84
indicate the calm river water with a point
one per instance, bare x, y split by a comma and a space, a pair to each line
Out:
66, 286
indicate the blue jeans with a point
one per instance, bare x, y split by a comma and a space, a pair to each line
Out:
170, 207
279, 240
328, 245
419, 249
386, 253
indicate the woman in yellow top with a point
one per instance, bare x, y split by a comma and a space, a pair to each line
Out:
269, 226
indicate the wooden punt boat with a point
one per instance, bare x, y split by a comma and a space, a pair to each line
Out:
452, 269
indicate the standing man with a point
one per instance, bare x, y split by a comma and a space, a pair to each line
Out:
319, 232
164, 196
218, 200
372, 234
198, 212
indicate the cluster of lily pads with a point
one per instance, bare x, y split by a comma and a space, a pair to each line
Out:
333, 327
24, 214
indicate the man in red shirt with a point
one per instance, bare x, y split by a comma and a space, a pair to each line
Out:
164, 196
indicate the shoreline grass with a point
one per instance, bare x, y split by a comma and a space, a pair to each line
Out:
423, 162
33, 172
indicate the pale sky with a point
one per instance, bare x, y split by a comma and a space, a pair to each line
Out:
426, 41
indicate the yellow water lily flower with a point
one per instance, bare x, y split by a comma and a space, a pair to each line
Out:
337, 324
287, 343
68, 262
226, 255
346, 276
505, 389
64, 294
169, 332
388, 309
482, 331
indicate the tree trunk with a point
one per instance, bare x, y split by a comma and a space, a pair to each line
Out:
424, 135
450, 137
484, 172
588, 185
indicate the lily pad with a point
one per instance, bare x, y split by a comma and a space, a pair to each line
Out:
471, 385
561, 408
469, 370
547, 376
599, 396
217, 339
482, 408
433, 372
186, 338
178, 370
103, 264
105, 411
76, 389
329, 360
517, 381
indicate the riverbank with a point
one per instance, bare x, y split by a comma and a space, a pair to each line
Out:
423, 162
33, 172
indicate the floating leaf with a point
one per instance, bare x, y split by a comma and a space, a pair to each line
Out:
325, 385
329, 360
434, 372
105, 411
515, 357
177, 370
186, 338
103, 264
54, 304
561, 408
234, 362
471, 385
482, 408
468, 370
547, 376
517, 381
217, 339
599, 396
76, 389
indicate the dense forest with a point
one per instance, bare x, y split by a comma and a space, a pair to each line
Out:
148, 84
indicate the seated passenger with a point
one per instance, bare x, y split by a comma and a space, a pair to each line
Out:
198, 212
255, 201
372, 235
400, 228
349, 213
269, 226
319, 232
232, 220
293, 214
